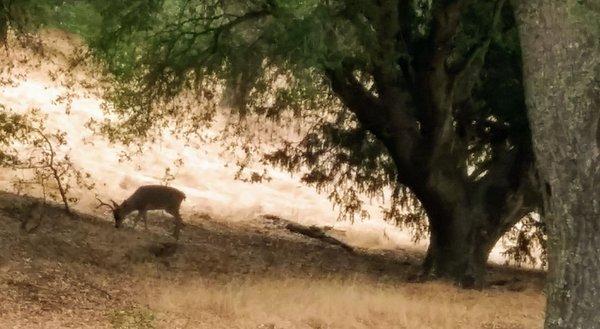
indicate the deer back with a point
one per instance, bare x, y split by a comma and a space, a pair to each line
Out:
152, 197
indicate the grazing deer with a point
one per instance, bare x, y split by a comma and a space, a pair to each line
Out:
149, 197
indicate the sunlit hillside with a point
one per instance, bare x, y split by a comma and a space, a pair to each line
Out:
206, 177
206, 174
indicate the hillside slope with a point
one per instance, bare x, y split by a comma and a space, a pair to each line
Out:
65, 88
83, 273
204, 170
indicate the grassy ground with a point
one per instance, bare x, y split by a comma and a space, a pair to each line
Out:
82, 273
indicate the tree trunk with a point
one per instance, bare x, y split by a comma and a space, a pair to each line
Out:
561, 55
461, 238
459, 254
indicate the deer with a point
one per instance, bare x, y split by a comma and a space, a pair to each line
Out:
145, 198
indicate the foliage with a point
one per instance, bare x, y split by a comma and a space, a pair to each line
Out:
12, 128
23, 17
275, 61
41, 158
526, 242
170, 174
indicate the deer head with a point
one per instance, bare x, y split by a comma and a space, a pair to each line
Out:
115, 208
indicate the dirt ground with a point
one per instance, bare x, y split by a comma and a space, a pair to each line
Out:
81, 272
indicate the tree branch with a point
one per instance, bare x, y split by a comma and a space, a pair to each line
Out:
357, 99
480, 47
393, 127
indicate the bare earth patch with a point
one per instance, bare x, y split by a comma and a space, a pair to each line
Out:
82, 273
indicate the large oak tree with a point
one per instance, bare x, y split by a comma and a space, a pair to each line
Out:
422, 97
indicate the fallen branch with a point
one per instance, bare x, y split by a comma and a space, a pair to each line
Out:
317, 233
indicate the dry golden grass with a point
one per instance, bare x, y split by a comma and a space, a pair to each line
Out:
337, 303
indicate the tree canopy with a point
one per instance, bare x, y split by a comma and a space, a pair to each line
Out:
419, 97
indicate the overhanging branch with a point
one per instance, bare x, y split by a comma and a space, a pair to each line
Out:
357, 98
480, 47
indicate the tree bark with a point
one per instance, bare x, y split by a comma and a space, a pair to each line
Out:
561, 54
464, 228
458, 250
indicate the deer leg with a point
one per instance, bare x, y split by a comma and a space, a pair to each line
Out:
145, 216
178, 222
137, 219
